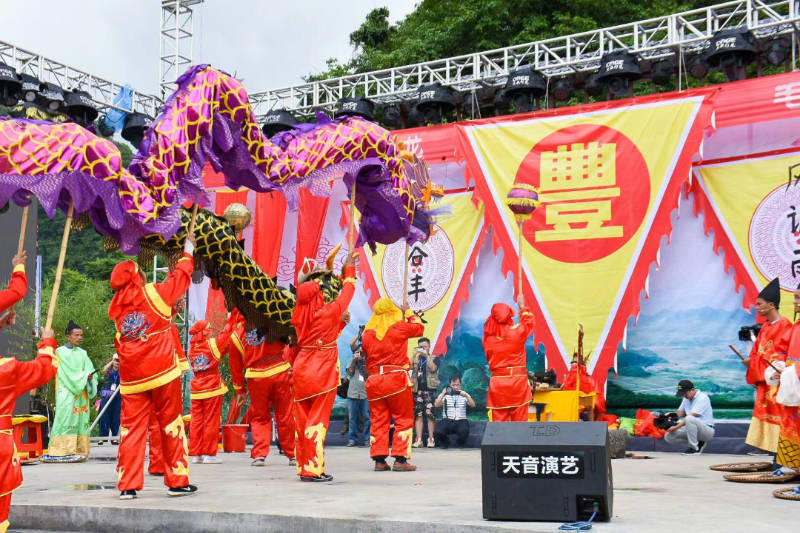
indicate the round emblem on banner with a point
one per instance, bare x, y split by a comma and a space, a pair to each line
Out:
774, 236
430, 271
594, 190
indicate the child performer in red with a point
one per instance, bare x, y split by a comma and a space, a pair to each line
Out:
316, 369
16, 378
504, 345
269, 382
207, 389
149, 372
385, 341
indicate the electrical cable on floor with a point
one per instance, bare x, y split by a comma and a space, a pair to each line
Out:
579, 526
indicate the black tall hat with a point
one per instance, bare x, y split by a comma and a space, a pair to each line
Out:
772, 292
72, 325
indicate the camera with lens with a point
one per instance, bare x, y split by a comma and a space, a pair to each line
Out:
450, 390
666, 421
746, 331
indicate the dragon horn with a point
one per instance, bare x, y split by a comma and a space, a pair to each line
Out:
331, 256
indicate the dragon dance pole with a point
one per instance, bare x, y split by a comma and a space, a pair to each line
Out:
62, 253
22, 230
352, 235
190, 230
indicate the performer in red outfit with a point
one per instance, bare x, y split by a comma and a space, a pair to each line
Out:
316, 369
269, 382
389, 389
16, 378
504, 345
766, 423
149, 372
207, 389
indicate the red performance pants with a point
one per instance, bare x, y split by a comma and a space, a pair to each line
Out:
399, 406
136, 409
156, 454
511, 414
204, 430
276, 392
5, 506
312, 416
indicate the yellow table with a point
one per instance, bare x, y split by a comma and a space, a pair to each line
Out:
560, 405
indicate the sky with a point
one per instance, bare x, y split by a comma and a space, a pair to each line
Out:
268, 44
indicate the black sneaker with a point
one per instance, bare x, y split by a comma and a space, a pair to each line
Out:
690, 451
317, 479
701, 446
182, 491
127, 494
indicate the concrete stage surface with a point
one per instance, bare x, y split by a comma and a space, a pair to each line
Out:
667, 493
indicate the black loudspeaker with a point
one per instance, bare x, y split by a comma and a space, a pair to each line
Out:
552, 471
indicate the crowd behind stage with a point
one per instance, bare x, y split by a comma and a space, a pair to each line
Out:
294, 380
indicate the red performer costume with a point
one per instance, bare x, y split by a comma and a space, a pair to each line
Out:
389, 389
16, 378
207, 389
316, 370
504, 344
787, 350
149, 373
269, 382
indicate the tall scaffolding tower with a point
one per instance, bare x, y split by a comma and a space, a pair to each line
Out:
177, 32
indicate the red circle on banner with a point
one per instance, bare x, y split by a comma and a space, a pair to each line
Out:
594, 188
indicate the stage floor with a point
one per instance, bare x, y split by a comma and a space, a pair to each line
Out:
661, 494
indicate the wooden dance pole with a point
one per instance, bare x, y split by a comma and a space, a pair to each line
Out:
21, 246
519, 257
190, 230
405, 277
352, 236
62, 253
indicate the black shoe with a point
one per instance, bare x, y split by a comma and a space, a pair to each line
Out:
127, 494
701, 446
690, 451
182, 491
158, 474
317, 479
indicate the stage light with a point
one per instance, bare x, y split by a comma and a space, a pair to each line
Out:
697, 66
662, 71
562, 89
777, 51
592, 86
50, 97
501, 103
30, 87
359, 107
730, 51
392, 116
134, 128
9, 85
618, 71
434, 102
80, 107
523, 86
278, 120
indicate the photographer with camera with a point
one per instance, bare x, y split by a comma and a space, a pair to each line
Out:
454, 402
696, 425
357, 404
425, 375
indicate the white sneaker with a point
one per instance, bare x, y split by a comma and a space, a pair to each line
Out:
258, 461
196, 459
211, 460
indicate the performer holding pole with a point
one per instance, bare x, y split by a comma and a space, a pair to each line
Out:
389, 389
16, 378
149, 371
316, 368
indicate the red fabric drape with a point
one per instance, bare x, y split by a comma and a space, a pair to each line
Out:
268, 231
310, 222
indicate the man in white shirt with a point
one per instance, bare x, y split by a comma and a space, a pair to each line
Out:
453, 402
696, 426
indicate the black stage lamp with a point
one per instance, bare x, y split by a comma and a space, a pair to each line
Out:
50, 97
662, 71
592, 86
80, 107
359, 107
30, 87
562, 89
523, 86
392, 116
697, 66
730, 51
777, 51
434, 102
618, 71
278, 120
9, 85
501, 103
134, 128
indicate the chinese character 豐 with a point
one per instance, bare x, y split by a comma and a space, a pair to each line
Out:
550, 465
530, 465
576, 187
511, 462
569, 465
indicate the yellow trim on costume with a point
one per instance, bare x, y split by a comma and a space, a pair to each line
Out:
183, 365
349, 280
12, 490
237, 388
202, 395
238, 342
212, 343
151, 383
510, 406
19, 268
317, 394
47, 350
36, 419
185, 258
4, 526
156, 302
4, 360
258, 373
